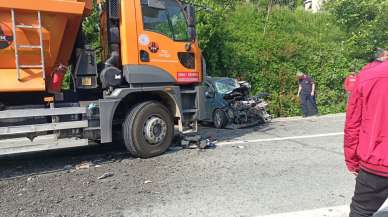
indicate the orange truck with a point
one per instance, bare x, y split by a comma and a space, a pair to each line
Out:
145, 86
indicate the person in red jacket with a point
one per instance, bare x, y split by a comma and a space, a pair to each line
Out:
350, 81
366, 139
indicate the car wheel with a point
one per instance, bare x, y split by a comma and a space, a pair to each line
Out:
219, 119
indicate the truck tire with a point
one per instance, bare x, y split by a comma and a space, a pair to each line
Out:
219, 119
148, 129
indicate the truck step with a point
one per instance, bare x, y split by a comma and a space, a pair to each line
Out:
22, 26
30, 46
190, 111
31, 66
189, 91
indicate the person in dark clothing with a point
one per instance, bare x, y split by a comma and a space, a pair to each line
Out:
306, 93
371, 192
366, 141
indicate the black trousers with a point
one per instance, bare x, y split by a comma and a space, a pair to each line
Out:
370, 193
308, 104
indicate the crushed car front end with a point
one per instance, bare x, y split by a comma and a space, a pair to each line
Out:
230, 105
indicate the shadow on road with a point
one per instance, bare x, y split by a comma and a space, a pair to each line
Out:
38, 163
223, 135
51, 161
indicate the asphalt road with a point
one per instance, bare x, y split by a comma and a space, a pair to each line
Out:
291, 167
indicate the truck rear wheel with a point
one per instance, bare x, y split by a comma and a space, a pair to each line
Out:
148, 129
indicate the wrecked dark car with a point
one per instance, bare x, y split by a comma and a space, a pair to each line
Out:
229, 105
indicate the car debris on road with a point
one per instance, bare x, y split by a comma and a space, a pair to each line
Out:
147, 181
105, 175
84, 165
239, 146
68, 167
197, 142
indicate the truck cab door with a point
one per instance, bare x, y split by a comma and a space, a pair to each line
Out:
166, 53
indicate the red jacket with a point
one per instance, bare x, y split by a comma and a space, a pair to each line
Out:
350, 81
366, 128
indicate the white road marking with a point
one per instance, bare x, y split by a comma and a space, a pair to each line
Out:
279, 139
336, 211
312, 118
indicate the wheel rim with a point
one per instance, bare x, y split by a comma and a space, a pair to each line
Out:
155, 130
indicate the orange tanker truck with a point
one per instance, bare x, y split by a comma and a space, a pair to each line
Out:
146, 84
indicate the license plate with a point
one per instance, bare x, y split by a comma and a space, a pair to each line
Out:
187, 77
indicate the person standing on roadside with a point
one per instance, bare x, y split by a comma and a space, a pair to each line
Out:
366, 139
350, 81
306, 94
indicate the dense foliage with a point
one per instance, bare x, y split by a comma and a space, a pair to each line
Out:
365, 21
268, 45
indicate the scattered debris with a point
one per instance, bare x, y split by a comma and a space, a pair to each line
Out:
84, 165
175, 148
209, 143
29, 179
97, 166
147, 181
40, 190
239, 146
105, 175
197, 142
67, 167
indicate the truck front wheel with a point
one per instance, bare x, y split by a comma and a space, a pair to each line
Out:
148, 129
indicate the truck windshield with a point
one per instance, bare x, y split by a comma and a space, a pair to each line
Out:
170, 21
226, 85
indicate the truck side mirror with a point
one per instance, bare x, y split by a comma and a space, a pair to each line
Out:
190, 13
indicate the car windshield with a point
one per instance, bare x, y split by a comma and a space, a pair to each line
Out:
225, 86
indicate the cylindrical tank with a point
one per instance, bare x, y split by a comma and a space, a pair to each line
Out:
60, 23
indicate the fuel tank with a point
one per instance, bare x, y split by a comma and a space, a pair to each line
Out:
36, 42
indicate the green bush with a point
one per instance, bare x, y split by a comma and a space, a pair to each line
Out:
366, 23
268, 49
